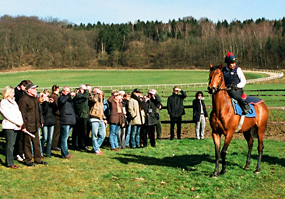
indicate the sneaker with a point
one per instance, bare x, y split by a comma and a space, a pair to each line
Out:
14, 167
19, 158
69, 156
98, 152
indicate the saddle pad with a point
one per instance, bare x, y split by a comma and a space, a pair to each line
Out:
253, 100
238, 110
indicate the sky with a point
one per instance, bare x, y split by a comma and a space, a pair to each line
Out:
124, 11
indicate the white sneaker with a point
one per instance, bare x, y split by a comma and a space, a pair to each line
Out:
19, 158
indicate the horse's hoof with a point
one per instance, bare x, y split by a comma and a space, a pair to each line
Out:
257, 171
223, 172
215, 175
246, 168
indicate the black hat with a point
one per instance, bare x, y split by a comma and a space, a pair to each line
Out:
136, 90
31, 86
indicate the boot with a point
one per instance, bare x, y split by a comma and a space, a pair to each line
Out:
245, 107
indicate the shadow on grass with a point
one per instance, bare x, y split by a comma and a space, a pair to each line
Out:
179, 161
271, 160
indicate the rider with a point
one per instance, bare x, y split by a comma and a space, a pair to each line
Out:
235, 81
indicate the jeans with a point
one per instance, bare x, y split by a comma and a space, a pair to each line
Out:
98, 130
114, 128
122, 137
135, 136
128, 133
201, 124
47, 137
64, 134
10, 142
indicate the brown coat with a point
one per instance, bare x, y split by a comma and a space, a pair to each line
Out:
97, 105
115, 117
29, 108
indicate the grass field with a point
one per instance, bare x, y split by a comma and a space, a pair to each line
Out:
174, 169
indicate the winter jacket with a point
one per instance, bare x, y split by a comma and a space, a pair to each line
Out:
12, 116
55, 108
67, 114
98, 106
175, 106
47, 112
197, 109
137, 113
115, 117
150, 108
30, 110
81, 104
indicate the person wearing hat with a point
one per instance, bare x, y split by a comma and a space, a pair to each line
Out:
29, 107
175, 109
137, 117
235, 81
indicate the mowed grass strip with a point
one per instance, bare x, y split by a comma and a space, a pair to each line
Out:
73, 78
174, 169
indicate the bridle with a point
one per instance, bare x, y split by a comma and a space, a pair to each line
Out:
212, 90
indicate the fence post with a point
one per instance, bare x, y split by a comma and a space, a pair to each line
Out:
258, 93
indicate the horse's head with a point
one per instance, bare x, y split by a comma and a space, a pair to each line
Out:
216, 79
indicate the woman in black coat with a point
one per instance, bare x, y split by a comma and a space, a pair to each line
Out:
200, 115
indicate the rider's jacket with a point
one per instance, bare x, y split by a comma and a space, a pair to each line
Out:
231, 76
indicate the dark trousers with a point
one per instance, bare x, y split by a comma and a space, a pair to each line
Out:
10, 136
19, 145
236, 94
176, 120
28, 148
148, 131
158, 129
56, 133
80, 133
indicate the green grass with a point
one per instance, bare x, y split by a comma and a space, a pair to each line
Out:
73, 78
174, 169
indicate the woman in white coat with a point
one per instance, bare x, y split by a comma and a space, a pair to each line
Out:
12, 122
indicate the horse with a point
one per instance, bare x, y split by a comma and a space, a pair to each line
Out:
223, 121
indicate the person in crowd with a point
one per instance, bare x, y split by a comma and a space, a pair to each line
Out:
67, 120
137, 115
116, 119
30, 110
151, 103
20, 90
200, 115
121, 132
97, 120
175, 109
56, 114
127, 128
235, 81
82, 114
47, 107
158, 125
11, 124
106, 107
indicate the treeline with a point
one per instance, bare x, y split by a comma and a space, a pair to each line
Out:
183, 43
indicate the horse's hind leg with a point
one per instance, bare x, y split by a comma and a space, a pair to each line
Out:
260, 147
249, 139
217, 142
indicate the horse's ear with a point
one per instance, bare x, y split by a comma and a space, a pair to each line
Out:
221, 66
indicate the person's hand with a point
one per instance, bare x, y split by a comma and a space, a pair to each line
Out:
72, 94
206, 119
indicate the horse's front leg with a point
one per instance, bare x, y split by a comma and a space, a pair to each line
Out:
228, 139
217, 142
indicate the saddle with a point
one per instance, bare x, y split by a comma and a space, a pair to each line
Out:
251, 101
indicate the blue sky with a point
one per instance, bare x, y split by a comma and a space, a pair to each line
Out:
122, 11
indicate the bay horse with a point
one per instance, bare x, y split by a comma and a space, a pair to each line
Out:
223, 121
